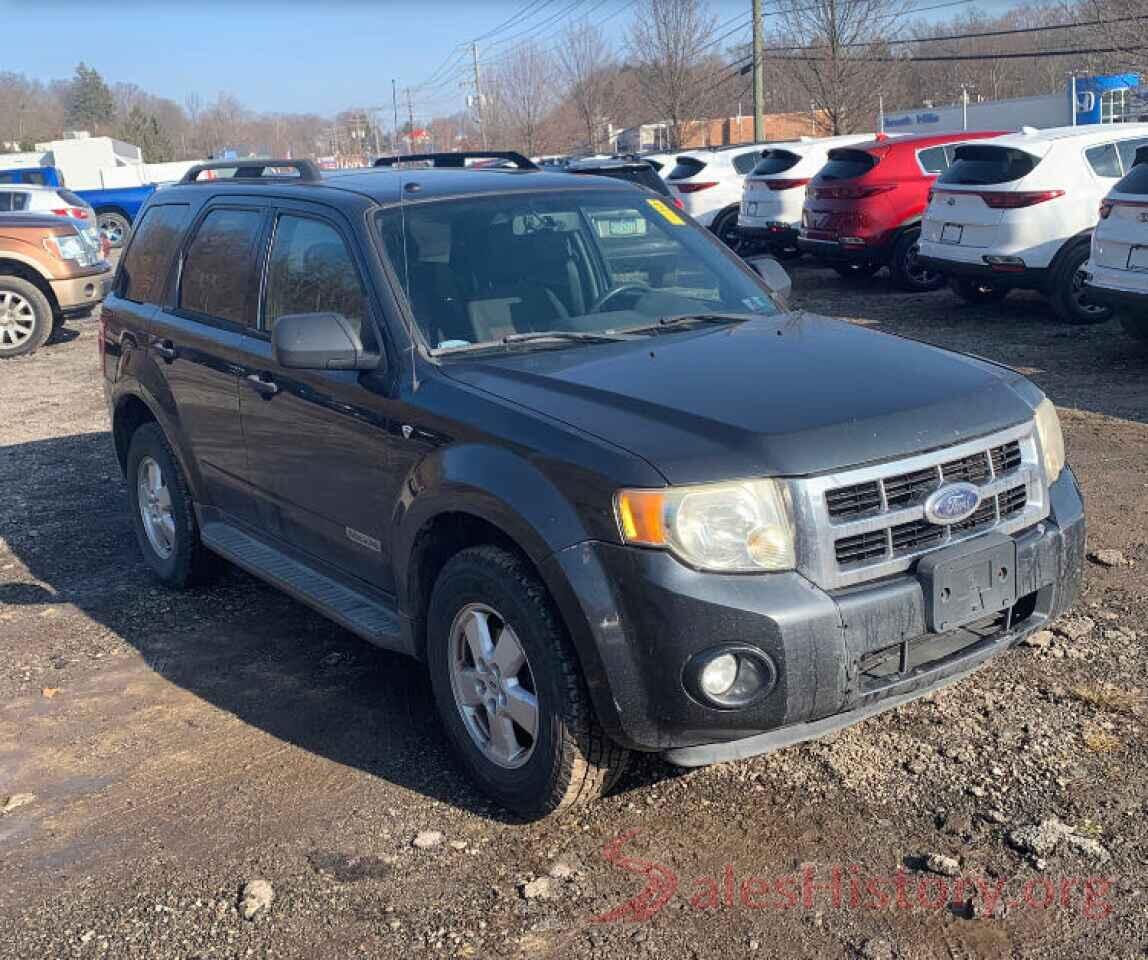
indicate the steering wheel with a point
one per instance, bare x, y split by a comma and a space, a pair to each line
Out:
640, 288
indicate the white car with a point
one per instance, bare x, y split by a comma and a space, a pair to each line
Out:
39, 200
1117, 271
1018, 211
710, 182
774, 191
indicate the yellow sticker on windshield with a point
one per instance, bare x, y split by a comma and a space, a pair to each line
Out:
667, 212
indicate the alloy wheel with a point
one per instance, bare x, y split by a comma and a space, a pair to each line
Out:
493, 686
154, 500
17, 320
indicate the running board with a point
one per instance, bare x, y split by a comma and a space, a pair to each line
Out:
372, 619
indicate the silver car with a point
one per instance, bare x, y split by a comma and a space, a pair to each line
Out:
40, 200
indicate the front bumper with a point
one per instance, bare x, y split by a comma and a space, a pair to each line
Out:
1026, 278
637, 616
80, 293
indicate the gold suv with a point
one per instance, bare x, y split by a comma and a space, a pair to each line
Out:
49, 270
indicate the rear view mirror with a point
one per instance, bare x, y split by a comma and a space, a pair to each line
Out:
319, 341
774, 275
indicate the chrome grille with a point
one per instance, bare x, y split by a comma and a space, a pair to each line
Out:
870, 522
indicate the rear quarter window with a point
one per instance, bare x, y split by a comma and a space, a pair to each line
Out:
933, 160
13, 200
148, 257
976, 165
743, 163
1104, 160
1127, 150
686, 167
847, 164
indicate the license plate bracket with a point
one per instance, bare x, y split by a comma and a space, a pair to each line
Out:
968, 581
951, 233
1138, 258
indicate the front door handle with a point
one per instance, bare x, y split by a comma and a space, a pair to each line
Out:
165, 349
263, 385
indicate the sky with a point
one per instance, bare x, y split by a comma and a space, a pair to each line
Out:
299, 56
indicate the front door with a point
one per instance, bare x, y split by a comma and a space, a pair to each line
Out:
318, 441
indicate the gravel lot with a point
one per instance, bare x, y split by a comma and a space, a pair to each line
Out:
158, 751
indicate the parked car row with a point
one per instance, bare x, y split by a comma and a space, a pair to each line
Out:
983, 211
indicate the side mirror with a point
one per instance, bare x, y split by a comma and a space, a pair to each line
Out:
319, 341
773, 273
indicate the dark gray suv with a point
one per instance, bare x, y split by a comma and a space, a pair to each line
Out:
546, 434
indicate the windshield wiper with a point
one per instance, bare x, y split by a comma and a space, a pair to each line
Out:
673, 319
584, 335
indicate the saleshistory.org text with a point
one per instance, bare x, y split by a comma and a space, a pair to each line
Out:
846, 886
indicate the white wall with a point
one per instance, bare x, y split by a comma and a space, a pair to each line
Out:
1050, 110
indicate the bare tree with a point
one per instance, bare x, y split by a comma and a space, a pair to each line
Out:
588, 68
1116, 30
834, 43
671, 43
523, 95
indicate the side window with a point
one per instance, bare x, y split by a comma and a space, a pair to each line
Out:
312, 271
1127, 150
219, 269
1104, 160
20, 200
36, 177
933, 160
744, 162
6, 201
154, 240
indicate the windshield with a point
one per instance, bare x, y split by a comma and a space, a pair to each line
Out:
479, 270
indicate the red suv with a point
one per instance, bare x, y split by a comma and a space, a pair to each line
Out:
863, 210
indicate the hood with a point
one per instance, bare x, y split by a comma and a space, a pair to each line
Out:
790, 395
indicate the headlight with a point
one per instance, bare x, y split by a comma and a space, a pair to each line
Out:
1051, 439
68, 248
740, 526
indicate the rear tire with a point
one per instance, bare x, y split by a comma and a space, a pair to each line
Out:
1135, 326
25, 317
1066, 290
907, 271
978, 291
114, 226
162, 512
483, 597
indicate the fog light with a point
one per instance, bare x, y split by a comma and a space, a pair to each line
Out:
1004, 264
719, 675
730, 676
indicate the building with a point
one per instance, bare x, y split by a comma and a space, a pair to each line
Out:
1107, 99
720, 132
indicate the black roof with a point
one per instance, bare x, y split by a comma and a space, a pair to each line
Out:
383, 185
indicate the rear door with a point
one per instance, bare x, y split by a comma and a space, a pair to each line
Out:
318, 445
197, 343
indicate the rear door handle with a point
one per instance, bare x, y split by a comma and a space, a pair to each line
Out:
165, 349
264, 387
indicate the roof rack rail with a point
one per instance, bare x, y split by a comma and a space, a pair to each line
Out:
251, 169
458, 159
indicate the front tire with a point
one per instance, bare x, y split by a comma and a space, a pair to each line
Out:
906, 269
725, 229
973, 290
509, 690
1067, 294
162, 512
25, 317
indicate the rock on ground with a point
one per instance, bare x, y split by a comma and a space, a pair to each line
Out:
426, 839
257, 897
535, 889
945, 866
1107, 558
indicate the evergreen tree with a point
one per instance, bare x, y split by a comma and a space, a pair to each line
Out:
144, 130
88, 103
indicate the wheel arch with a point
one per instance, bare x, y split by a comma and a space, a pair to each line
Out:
25, 271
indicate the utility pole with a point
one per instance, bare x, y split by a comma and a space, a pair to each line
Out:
411, 122
395, 107
758, 77
478, 94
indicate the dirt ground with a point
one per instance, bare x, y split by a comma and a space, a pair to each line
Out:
159, 750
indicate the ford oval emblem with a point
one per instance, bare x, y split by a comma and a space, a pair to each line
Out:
952, 503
